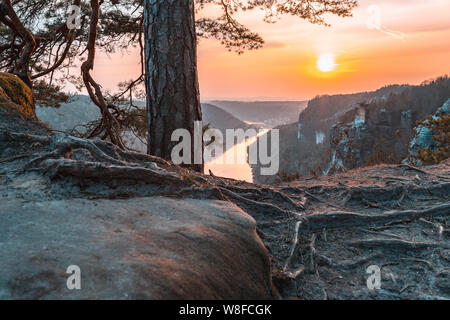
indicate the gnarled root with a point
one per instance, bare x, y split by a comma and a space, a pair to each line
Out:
101, 171
338, 219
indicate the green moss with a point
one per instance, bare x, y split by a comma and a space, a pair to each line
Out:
19, 93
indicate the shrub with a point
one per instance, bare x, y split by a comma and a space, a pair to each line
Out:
441, 137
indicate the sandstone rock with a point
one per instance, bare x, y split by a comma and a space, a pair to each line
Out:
16, 91
3, 94
142, 248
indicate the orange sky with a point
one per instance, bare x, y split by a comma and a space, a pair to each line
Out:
411, 45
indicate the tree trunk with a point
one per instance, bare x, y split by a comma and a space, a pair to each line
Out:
173, 99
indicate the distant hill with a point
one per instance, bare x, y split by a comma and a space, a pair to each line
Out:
268, 113
220, 119
80, 111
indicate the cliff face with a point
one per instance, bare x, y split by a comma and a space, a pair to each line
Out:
337, 133
316, 120
305, 145
381, 131
372, 137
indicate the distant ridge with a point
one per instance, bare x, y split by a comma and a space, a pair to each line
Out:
270, 113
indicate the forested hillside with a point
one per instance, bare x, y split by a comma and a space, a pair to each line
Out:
385, 120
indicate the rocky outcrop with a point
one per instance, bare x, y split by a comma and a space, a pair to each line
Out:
330, 136
15, 94
423, 144
379, 132
140, 227
347, 143
305, 148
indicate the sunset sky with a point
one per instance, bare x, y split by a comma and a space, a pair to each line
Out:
412, 44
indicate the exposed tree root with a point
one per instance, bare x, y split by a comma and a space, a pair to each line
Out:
396, 244
316, 222
267, 207
294, 246
345, 265
322, 201
20, 156
24, 137
421, 171
316, 253
101, 171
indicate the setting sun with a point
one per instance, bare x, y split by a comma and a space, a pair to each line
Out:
326, 62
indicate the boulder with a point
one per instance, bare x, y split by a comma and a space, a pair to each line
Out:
16, 95
141, 248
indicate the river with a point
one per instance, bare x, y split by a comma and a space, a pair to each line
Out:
238, 171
